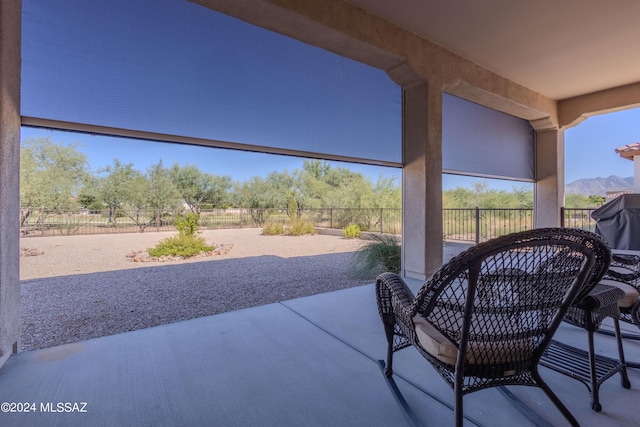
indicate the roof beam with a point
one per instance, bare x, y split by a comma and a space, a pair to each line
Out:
572, 111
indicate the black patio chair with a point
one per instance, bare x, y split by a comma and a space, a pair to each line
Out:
586, 366
603, 301
624, 273
485, 318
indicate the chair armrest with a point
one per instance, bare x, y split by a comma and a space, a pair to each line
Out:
394, 299
624, 268
601, 296
396, 287
624, 259
622, 273
600, 303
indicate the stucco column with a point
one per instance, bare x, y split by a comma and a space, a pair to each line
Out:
10, 23
422, 181
636, 174
549, 186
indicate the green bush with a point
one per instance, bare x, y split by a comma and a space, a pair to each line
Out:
187, 224
380, 254
300, 228
182, 245
351, 232
273, 229
186, 244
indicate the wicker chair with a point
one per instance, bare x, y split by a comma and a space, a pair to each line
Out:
485, 318
586, 366
625, 269
624, 274
603, 301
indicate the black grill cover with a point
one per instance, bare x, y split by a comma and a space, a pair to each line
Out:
618, 222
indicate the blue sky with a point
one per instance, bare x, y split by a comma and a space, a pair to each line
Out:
590, 146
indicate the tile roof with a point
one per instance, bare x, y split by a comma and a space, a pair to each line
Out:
629, 150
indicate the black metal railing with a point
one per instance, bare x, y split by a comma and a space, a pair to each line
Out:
478, 225
469, 225
47, 222
577, 218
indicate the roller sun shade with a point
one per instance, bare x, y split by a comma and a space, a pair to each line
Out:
172, 67
477, 140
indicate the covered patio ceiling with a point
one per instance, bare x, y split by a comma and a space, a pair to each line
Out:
560, 49
553, 63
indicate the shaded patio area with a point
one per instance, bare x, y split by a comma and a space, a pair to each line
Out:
310, 361
270, 364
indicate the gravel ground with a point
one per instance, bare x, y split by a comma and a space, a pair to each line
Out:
83, 287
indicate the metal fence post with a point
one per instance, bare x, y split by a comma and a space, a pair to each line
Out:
562, 217
477, 225
331, 217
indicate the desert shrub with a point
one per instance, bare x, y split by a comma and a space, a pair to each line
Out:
187, 243
378, 255
187, 224
300, 228
351, 232
181, 245
273, 229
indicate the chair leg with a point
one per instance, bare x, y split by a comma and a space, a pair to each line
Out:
459, 412
555, 400
389, 332
595, 402
388, 371
624, 377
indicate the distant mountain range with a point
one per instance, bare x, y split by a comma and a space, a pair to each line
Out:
598, 186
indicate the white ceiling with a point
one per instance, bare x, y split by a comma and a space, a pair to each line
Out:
559, 48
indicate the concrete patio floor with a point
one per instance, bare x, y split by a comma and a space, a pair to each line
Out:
305, 362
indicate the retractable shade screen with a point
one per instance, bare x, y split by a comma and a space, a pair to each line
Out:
477, 140
175, 68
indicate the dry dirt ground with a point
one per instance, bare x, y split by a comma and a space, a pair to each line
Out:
80, 287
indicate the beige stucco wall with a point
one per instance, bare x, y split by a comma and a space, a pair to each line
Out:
422, 180
10, 11
549, 186
572, 111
